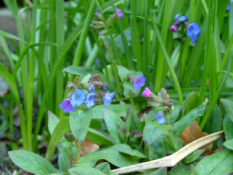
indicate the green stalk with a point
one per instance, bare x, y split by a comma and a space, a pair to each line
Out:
217, 95
78, 55
135, 37
60, 41
11, 82
29, 107
161, 65
78, 145
166, 57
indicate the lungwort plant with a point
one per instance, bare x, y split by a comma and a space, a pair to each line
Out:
143, 85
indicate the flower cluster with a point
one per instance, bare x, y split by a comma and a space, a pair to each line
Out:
99, 24
162, 102
86, 94
193, 29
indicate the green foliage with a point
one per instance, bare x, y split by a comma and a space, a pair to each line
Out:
58, 40
32, 162
218, 163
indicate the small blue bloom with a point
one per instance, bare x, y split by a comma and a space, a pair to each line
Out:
97, 11
105, 88
228, 7
108, 98
66, 106
78, 97
193, 32
90, 100
177, 16
160, 117
179, 19
91, 89
139, 82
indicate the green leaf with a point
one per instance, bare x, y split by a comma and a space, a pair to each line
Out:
218, 163
85, 171
228, 106
188, 119
53, 121
182, 169
98, 138
8, 35
32, 162
133, 153
61, 128
153, 130
160, 171
83, 71
104, 167
214, 123
228, 127
190, 102
64, 159
79, 123
113, 123
123, 72
86, 78
111, 154
119, 109
229, 144
193, 156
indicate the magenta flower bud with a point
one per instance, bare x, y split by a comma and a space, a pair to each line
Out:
119, 13
174, 28
146, 93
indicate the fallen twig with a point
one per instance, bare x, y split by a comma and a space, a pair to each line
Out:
173, 159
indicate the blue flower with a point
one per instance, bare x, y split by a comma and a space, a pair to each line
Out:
160, 117
179, 19
139, 82
193, 32
108, 98
97, 11
228, 7
90, 100
78, 97
105, 88
91, 89
66, 106
177, 16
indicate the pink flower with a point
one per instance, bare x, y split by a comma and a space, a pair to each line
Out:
147, 92
119, 13
173, 28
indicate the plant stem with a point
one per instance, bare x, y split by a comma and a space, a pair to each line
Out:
78, 145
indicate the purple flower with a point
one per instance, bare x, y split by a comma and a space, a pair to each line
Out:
90, 100
228, 7
174, 28
160, 117
146, 93
91, 89
108, 98
193, 32
78, 97
66, 106
139, 82
119, 13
